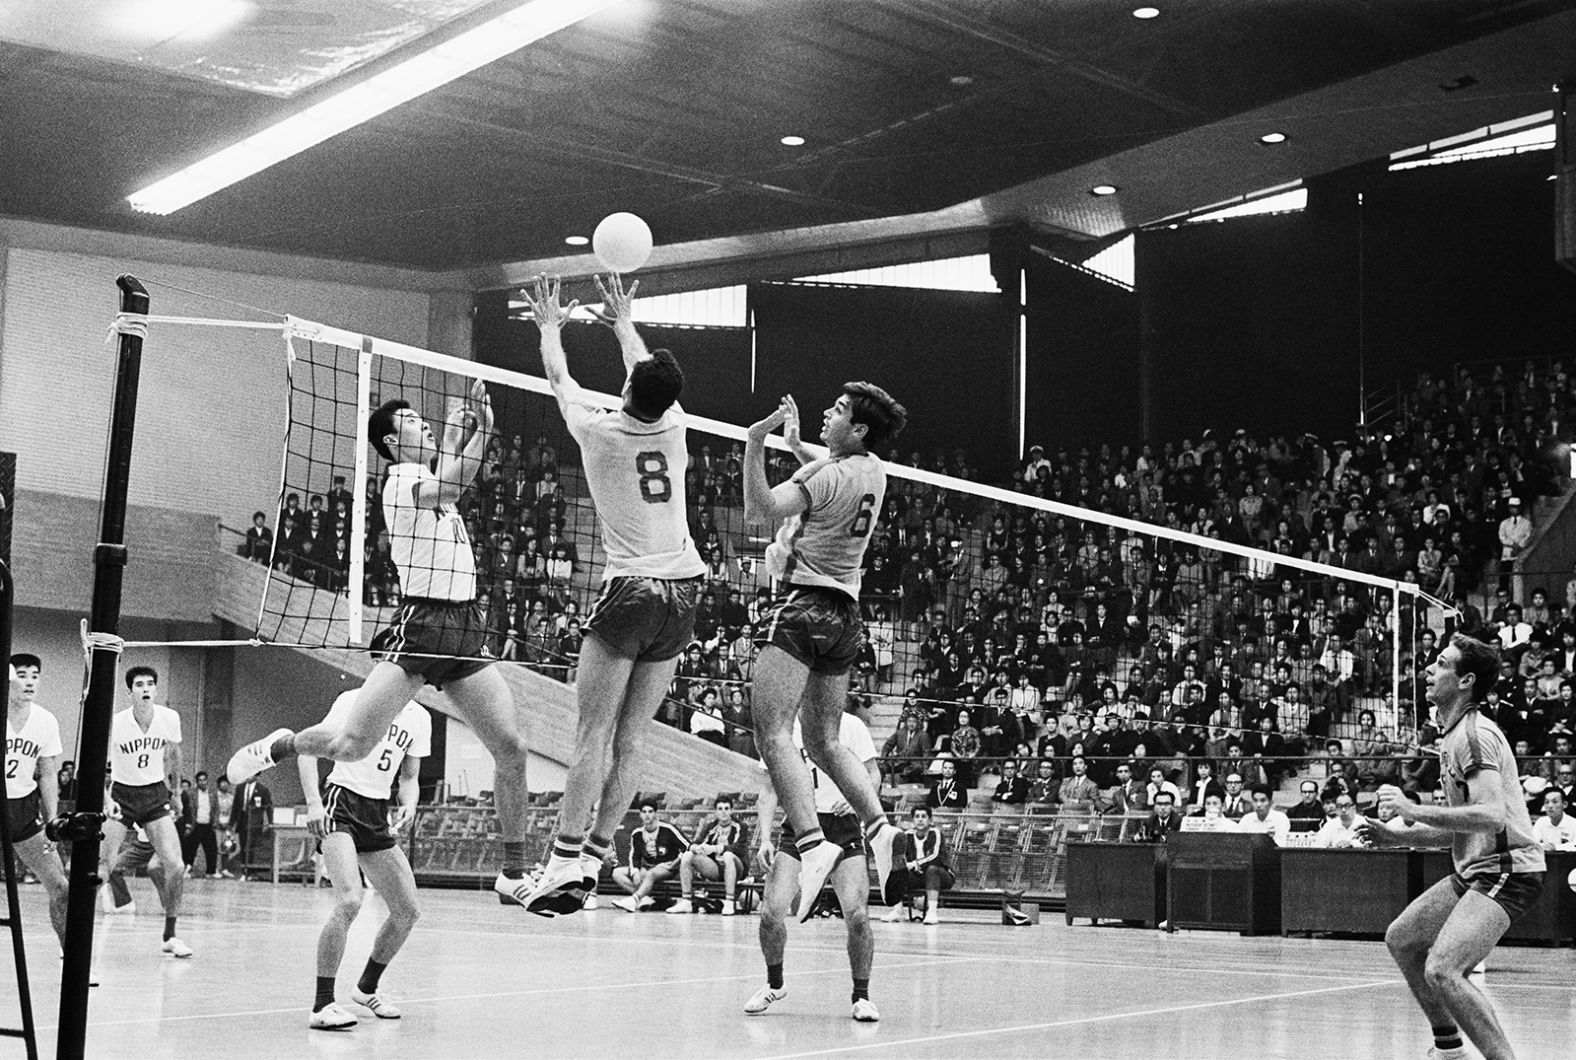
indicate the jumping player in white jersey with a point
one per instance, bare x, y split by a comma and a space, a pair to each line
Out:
828, 510
145, 767
351, 820
439, 634
850, 878
634, 464
32, 783
1452, 927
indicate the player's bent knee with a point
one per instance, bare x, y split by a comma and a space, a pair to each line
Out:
1442, 973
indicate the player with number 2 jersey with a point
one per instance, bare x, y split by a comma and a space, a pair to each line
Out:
635, 458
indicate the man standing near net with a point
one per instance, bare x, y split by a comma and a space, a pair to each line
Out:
828, 511
32, 779
1443, 935
439, 635
145, 764
634, 460
350, 819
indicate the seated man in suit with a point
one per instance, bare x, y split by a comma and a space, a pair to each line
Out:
923, 853
946, 793
1079, 788
1014, 787
1163, 819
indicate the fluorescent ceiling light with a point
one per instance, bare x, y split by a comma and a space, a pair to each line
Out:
576, 241
1104, 189
1273, 138
793, 141
364, 101
1146, 12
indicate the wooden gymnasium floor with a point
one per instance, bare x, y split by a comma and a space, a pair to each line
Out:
480, 980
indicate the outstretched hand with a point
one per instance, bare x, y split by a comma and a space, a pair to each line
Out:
791, 424
543, 298
761, 428
617, 303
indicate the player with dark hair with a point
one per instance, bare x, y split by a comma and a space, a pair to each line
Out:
145, 767
1499, 866
634, 460
828, 511
654, 852
351, 821
439, 635
32, 783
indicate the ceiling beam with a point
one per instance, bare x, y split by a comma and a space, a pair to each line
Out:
981, 29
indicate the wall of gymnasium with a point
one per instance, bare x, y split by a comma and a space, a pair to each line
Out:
211, 415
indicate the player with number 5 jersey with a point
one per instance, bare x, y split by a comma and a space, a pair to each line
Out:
634, 458
827, 511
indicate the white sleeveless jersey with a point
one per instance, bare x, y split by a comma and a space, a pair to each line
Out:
137, 757
852, 734
428, 544
825, 544
39, 737
410, 733
635, 472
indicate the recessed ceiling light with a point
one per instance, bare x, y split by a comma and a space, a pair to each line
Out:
1146, 12
960, 80
576, 241
1273, 138
792, 141
1103, 189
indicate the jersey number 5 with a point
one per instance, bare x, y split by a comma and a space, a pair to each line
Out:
655, 486
386, 760
860, 527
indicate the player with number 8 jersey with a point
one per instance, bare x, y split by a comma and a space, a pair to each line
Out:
634, 459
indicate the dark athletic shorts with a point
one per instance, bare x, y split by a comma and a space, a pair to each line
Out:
1514, 891
820, 627
646, 619
364, 820
141, 803
24, 817
424, 633
842, 829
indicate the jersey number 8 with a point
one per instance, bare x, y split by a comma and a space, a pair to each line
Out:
655, 486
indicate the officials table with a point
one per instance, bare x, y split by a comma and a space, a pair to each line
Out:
1115, 881
1355, 891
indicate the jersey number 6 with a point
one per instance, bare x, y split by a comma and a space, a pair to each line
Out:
652, 467
860, 527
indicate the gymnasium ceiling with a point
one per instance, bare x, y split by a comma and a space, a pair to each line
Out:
921, 117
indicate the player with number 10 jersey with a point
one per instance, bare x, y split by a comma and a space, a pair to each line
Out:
634, 458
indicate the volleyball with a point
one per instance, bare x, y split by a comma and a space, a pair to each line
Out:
1571, 879
622, 242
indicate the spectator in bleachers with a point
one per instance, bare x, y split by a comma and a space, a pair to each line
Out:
1555, 830
923, 853
909, 745
1045, 785
706, 719
1309, 806
1235, 804
1013, 788
1078, 791
1515, 534
1264, 818
654, 851
946, 792
259, 543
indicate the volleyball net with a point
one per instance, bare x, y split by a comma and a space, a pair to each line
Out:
977, 598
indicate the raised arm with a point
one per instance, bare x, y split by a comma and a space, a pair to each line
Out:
464, 448
796, 445
763, 505
550, 314
617, 312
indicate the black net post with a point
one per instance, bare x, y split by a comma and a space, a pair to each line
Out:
13, 912
109, 560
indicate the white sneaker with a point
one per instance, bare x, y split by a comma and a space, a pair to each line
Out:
881, 850
331, 1018
764, 998
559, 891
512, 891
931, 918
375, 1004
590, 870
253, 758
865, 1011
683, 905
896, 915
814, 867
628, 904
591, 903
1448, 1054
176, 948
730, 907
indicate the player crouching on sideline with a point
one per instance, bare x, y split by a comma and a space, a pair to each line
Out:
351, 822
828, 511
719, 852
925, 868
654, 851
1451, 927
850, 875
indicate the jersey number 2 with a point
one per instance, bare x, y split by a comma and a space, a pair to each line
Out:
860, 527
655, 486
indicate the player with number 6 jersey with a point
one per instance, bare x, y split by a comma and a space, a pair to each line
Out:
634, 458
